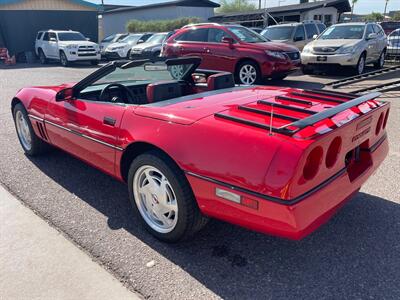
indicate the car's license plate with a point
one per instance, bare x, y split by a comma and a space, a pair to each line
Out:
322, 58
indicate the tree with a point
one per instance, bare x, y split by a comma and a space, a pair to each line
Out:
353, 2
228, 6
375, 17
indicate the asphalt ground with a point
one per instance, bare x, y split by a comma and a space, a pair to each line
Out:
354, 256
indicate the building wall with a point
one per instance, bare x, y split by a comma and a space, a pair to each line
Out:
19, 27
116, 22
46, 5
309, 15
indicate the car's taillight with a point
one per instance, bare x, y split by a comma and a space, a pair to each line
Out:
379, 124
313, 163
333, 152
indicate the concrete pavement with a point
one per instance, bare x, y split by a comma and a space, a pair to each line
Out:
37, 262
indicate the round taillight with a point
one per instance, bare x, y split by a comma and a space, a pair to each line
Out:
379, 124
313, 163
333, 152
386, 119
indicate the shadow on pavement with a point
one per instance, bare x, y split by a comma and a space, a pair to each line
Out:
79, 65
355, 255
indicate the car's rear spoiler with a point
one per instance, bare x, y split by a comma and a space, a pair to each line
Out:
308, 121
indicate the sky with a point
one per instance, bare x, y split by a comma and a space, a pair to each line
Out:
362, 6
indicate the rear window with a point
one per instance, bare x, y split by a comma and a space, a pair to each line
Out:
278, 33
39, 35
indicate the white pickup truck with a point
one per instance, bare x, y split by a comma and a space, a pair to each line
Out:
66, 47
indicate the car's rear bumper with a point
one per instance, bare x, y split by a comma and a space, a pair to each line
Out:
293, 219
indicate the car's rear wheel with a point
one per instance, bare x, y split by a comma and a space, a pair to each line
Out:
359, 69
42, 57
63, 59
162, 198
381, 61
248, 73
128, 55
31, 144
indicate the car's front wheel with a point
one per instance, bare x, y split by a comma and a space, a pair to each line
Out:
248, 73
381, 61
63, 59
307, 70
359, 69
31, 144
42, 57
162, 198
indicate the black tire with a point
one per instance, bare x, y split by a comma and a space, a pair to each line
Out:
63, 59
38, 146
157, 54
381, 61
94, 62
42, 57
307, 70
190, 219
243, 64
357, 70
128, 55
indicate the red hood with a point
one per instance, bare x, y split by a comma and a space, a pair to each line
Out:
273, 46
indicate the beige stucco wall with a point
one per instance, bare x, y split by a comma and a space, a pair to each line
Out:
46, 5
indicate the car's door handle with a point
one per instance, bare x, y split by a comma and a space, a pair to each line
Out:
109, 121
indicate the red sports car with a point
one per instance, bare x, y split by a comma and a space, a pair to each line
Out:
192, 145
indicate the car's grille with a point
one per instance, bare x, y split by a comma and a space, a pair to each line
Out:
293, 55
325, 49
86, 51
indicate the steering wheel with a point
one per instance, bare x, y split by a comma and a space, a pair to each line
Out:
130, 98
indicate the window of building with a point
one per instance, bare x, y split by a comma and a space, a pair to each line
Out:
328, 20
318, 18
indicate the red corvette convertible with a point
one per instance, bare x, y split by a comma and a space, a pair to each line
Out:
192, 145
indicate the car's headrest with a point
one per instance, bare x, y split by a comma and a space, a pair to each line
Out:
220, 81
164, 90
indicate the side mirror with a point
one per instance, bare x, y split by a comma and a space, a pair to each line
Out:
227, 40
53, 39
88, 39
315, 36
140, 41
65, 94
372, 36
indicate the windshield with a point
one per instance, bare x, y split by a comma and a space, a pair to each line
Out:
146, 72
246, 35
71, 36
157, 38
278, 33
130, 39
350, 32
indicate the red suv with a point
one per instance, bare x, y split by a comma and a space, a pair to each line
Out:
236, 49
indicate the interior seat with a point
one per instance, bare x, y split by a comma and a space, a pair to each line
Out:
220, 81
164, 90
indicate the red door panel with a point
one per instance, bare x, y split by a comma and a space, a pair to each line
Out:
86, 129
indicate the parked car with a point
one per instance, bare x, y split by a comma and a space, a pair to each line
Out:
66, 47
236, 49
110, 40
297, 34
393, 49
189, 151
390, 26
122, 48
151, 48
350, 44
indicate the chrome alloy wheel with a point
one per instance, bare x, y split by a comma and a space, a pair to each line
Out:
155, 199
177, 72
23, 130
248, 74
